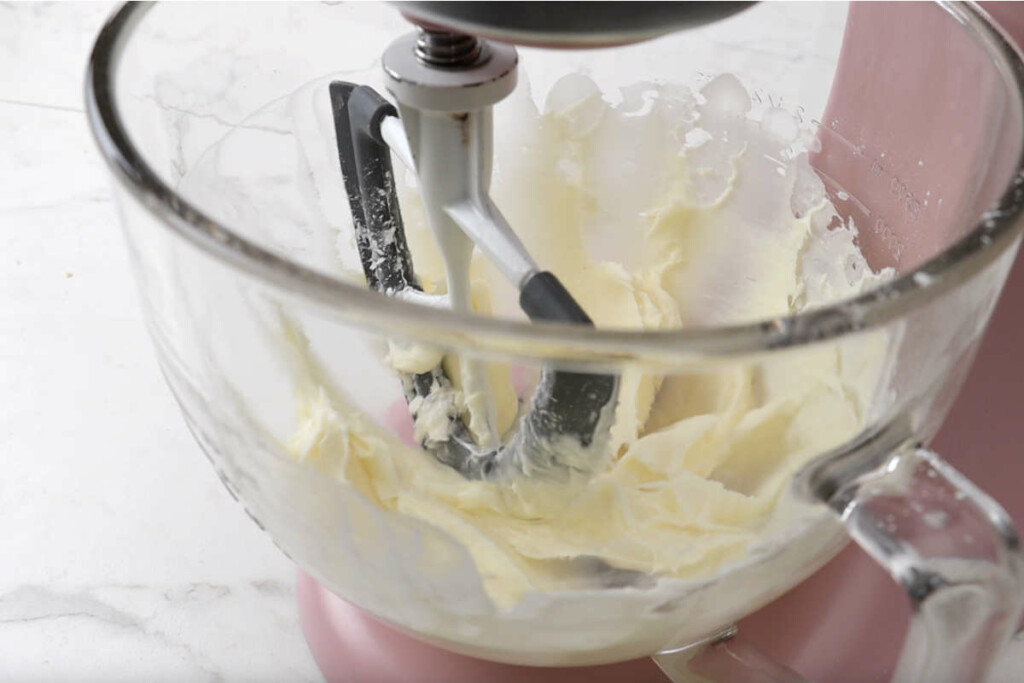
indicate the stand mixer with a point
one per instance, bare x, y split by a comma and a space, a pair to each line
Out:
898, 500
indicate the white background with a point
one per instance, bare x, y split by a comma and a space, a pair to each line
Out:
121, 555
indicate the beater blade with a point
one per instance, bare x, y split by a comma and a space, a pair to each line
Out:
565, 429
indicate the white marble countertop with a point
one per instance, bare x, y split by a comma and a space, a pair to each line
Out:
123, 558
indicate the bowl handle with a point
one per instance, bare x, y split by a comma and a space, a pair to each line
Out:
951, 547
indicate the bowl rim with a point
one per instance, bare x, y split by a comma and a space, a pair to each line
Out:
991, 236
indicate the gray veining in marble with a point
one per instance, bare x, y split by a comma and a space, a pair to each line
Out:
122, 557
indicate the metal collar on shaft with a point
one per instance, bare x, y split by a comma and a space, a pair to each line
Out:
447, 50
448, 72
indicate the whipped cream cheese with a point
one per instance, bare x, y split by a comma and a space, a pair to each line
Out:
667, 208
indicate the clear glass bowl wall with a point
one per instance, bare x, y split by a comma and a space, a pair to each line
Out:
230, 108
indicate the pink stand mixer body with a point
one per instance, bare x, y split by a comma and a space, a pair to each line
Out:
866, 611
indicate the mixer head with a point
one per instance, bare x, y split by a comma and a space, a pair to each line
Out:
445, 82
568, 24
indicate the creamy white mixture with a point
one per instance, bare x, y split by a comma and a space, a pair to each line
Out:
667, 208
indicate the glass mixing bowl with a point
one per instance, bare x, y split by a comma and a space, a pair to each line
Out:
215, 122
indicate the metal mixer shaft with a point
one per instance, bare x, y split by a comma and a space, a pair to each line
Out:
448, 121
445, 83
